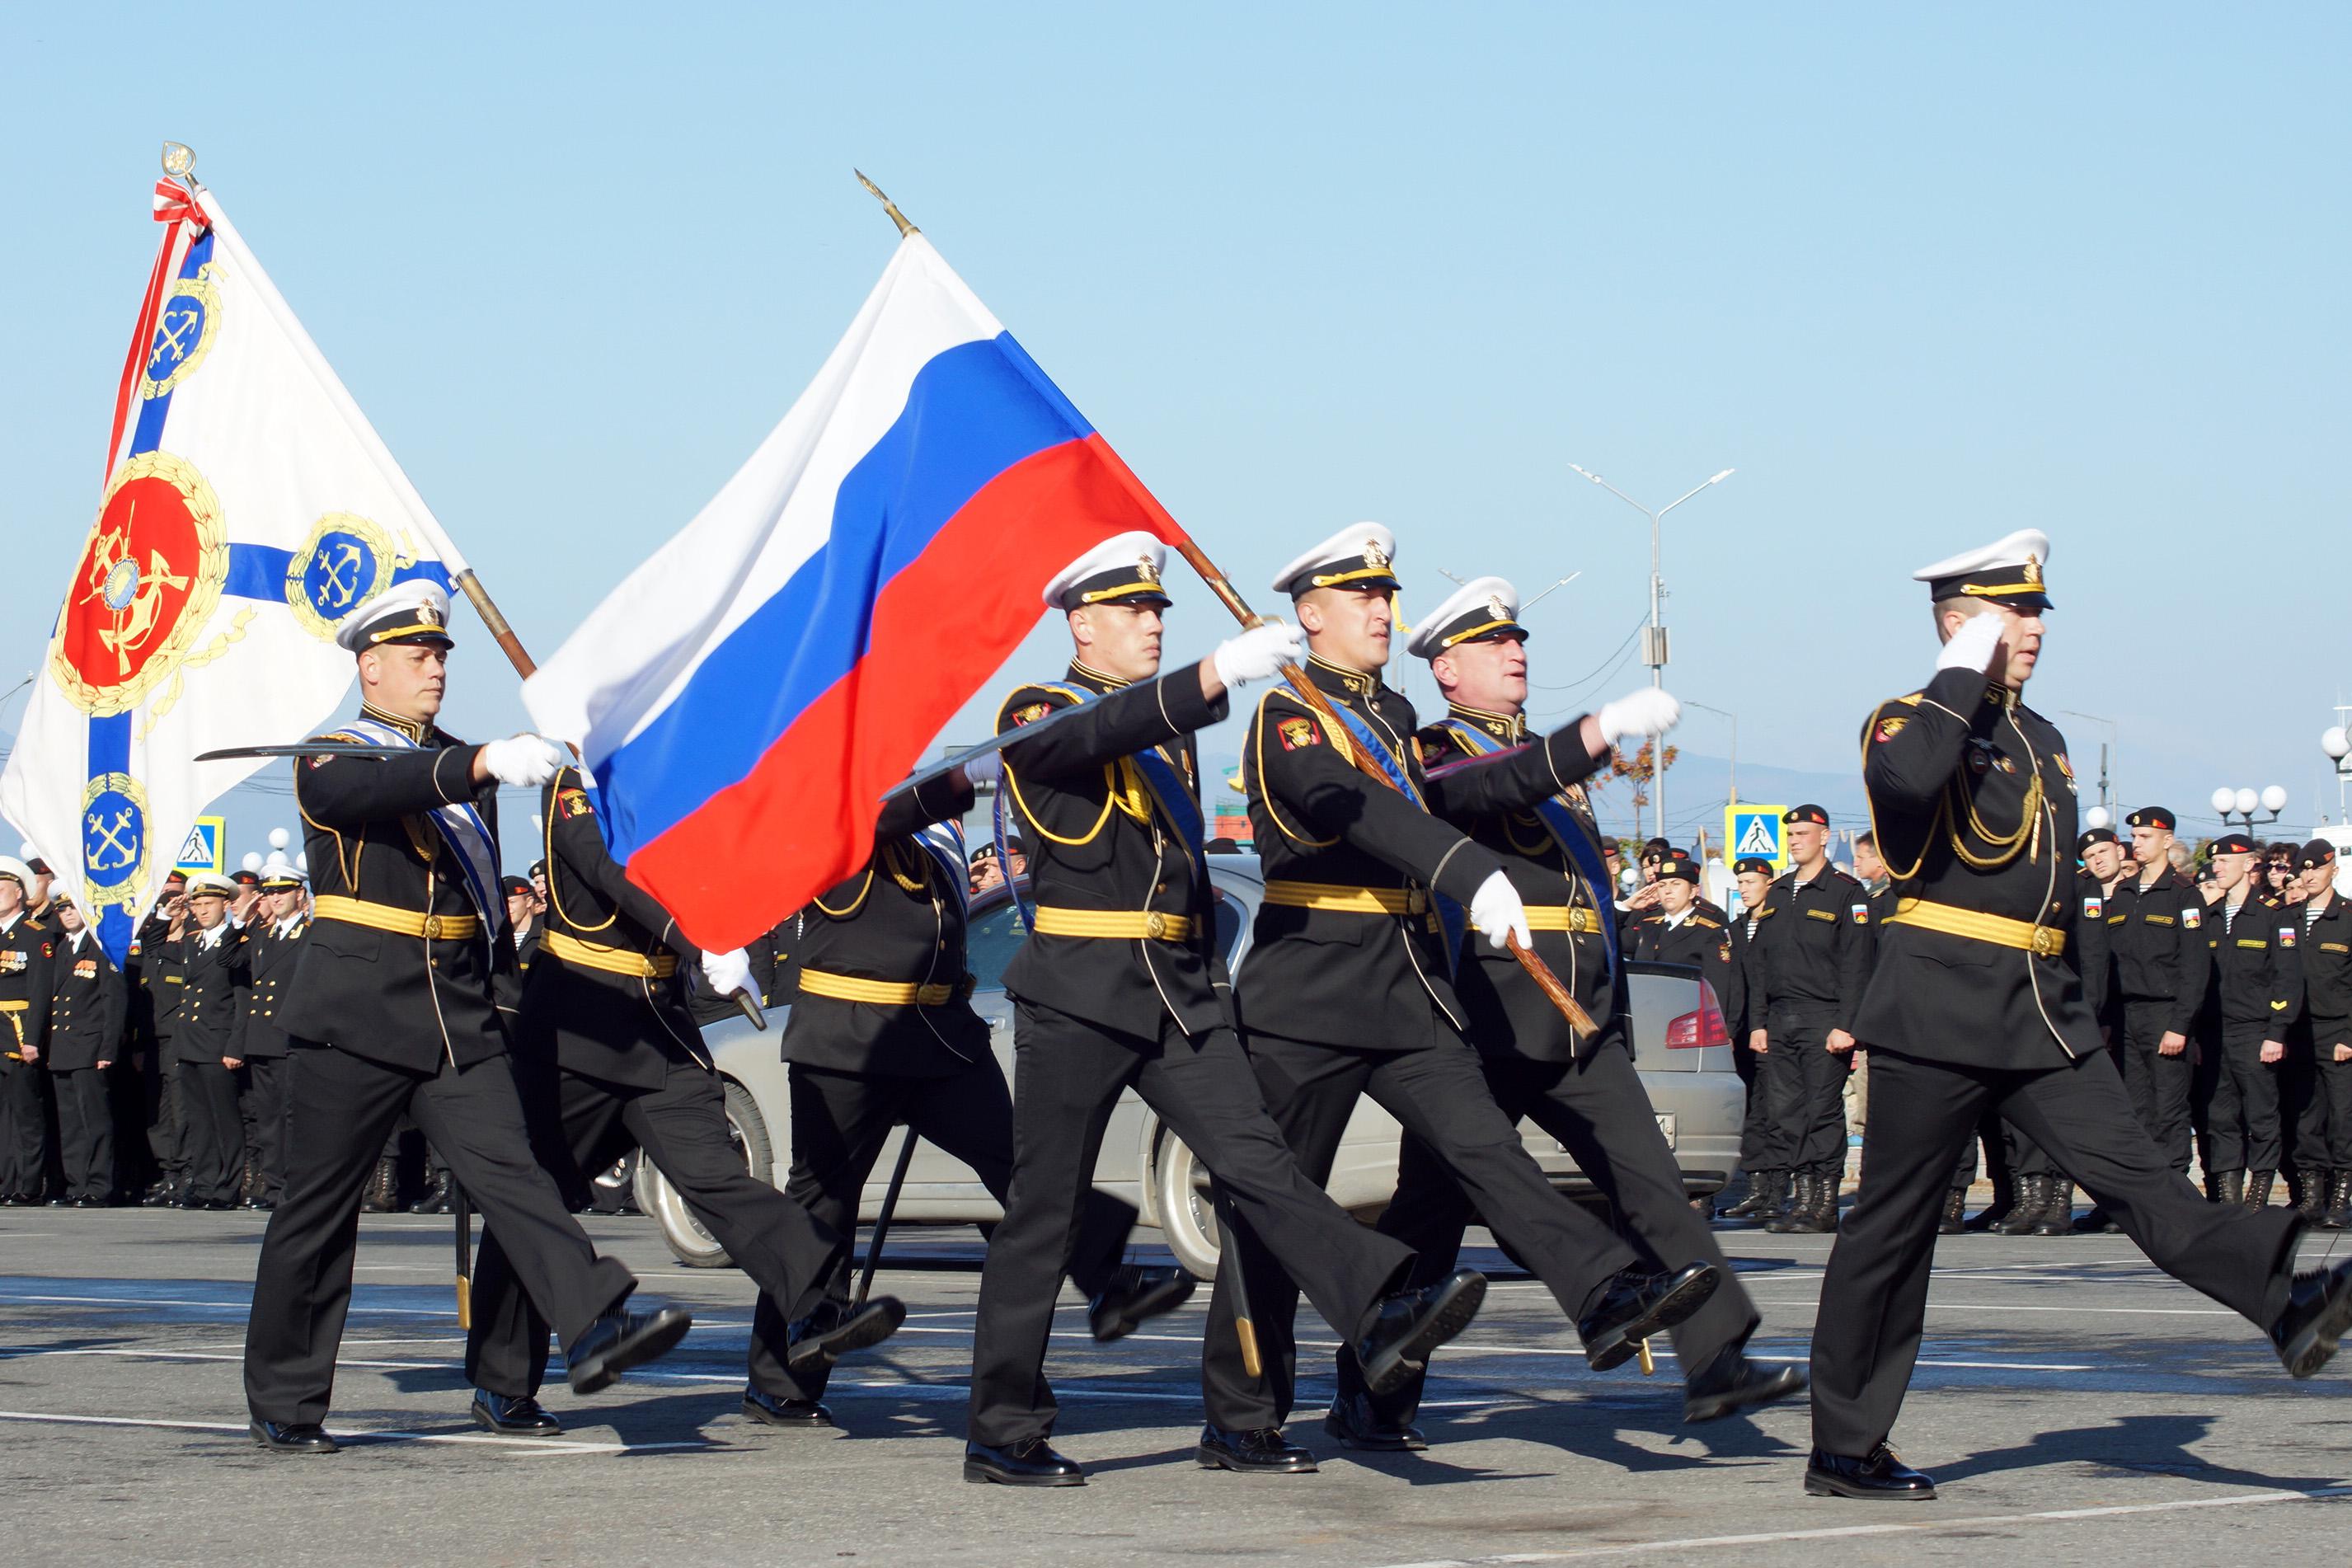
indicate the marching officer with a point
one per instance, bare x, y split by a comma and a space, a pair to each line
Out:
391, 1010
1349, 989
1585, 1094
1123, 985
882, 1032
1809, 962
204, 1041
273, 946
1976, 1001
2327, 966
2163, 966
27, 950
2257, 992
1768, 1184
610, 1056
85, 1030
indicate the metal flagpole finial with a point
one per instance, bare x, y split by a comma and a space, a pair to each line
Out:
905, 228
179, 160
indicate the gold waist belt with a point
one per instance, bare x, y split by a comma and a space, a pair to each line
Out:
1563, 917
1350, 901
1977, 926
1151, 923
611, 960
881, 993
399, 922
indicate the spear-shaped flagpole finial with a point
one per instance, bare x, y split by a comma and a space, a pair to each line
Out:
905, 228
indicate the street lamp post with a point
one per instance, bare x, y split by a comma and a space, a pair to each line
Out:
1654, 638
2114, 739
2336, 741
2231, 803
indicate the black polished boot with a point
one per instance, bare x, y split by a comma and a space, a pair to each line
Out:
1263, 1452
2233, 1187
382, 1194
2258, 1190
2032, 1198
2307, 1191
1406, 1327
2318, 1311
2339, 1201
2057, 1215
1031, 1462
1877, 1476
1763, 1199
1135, 1295
1956, 1212
1800, 1204
1635, 1304
1731, 1382
441, 1197
2098, 1222
1358, 1424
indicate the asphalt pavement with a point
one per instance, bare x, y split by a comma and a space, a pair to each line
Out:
2074, 1403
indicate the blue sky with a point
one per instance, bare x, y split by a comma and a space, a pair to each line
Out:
1923, 276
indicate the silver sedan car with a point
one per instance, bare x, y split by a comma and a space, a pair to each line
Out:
1680, 1048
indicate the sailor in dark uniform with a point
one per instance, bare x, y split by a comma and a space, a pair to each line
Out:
2326, 947
273, 945
27, 949
610, 1057
882, 1032
391, 1009
1586, 1094
1123, 986
1976, 1001
162, 976
525, 929
86, 1022
1768, 1185
1349, 988
212, 1005
2156, 940
2257, 1003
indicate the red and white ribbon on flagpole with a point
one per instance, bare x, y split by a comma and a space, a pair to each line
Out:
176, 207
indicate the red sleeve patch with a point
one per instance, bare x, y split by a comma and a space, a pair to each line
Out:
1296, 733
1033, 712
574, 802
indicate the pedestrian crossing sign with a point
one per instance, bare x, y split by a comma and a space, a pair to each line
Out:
1753, 832
201, 851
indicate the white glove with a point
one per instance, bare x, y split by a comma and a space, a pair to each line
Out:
1256, 653
726, 972
984, 769
1497, 910
1646, 711
1971, 646
523, 760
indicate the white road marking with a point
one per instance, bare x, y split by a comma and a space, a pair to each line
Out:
2011, 1306
1919, 1527
541, 1445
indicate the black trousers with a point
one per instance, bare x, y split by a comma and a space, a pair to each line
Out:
339, 1111
1755, 1117
163, 1133
583, 1124
1440, 1094
1874, 1293
2158, 1085
1600, 1112
1067, 1073
214, 1132
840, 1122
1808, 1091
265, 1081
2243, 1118
85, 1133
2326, 1137
24, 1127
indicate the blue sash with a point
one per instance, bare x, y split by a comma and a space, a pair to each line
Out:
462, 828
1452, 921
943, 842
1568, 832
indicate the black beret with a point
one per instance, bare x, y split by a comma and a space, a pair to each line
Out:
2151, 816
1760, 867
2315, 854
2095, 835
2232, 844
1812, 814
510, 886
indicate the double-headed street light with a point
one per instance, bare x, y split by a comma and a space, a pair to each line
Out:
1654, 638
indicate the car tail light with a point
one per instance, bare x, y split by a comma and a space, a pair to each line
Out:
1695, 1030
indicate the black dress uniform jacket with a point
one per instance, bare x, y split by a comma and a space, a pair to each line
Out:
271, 959
1703, 941
1508, 1014
212, 1003
2326, 954
1315, 975
591, 1020
894, 922
1973, 804
1813, 949
407, 1001
1098, 841
2157, 947
86, 1017
27, 950
2257, 978
2096, 962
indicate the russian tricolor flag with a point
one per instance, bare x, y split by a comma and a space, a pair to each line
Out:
747, 696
